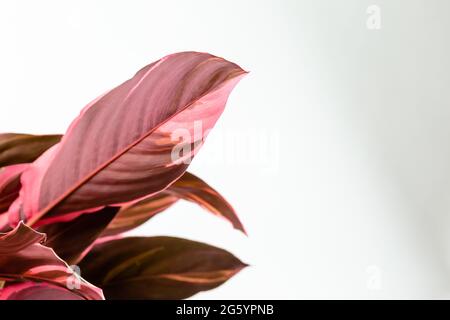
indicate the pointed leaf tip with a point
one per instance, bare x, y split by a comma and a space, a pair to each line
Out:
136, 127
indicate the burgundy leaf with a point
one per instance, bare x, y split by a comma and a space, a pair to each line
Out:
191, 188
21, 238
131, 142
133, 216
157, 267
9, 189
36, 291
23, 258
71, 239
23, 148
187, 187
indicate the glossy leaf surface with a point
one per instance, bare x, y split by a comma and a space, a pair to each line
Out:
121, 147
157, 267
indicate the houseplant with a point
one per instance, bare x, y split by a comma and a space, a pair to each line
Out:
66, 201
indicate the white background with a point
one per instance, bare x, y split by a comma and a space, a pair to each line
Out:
334, 150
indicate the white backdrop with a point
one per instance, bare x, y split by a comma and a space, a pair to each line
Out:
334, 150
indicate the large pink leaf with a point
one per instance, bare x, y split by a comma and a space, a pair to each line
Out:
23, 258
121, 147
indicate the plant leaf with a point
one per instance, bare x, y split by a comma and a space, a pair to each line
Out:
36, 291
18, 148
71, 239
187, 187
126, 144
9, 189
135, 215
22, 257
10, 184
157, 267
191, 188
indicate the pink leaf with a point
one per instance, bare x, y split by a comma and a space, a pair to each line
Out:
121, 148
22, 257
36, 291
